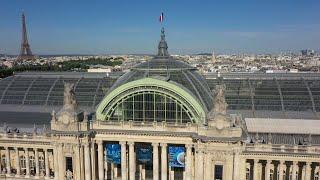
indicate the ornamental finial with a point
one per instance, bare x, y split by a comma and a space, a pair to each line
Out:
163, 47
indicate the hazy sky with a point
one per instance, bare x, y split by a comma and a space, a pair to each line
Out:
132, 26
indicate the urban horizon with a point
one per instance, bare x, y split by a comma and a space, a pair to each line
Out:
224, 35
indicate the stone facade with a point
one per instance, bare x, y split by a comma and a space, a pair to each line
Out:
213, 151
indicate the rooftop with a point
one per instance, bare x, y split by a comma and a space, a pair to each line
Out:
251, 94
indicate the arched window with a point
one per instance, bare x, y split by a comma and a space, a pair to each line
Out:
32, 162
3, 161
290, 176
22, 162
41, 164
283, 173
151, 100
150, 106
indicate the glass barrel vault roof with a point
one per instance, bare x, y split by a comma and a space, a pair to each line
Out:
253, 95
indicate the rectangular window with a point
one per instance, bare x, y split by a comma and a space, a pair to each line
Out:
69, 164
218, 172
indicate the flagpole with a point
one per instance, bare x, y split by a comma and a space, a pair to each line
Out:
162, 19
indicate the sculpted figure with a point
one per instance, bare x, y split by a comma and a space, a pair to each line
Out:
220, 104
217, 117
69, 100
69, 111
69, 175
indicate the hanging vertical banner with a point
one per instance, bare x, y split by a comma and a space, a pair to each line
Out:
113, 153
144, 154
176, 156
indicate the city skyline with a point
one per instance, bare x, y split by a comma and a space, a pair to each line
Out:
99, 28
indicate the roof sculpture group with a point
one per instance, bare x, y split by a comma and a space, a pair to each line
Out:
69, 114
220, 105
69, 98
218, 117
163, 47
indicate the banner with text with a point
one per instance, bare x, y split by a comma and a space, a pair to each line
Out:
144, 154
113, 153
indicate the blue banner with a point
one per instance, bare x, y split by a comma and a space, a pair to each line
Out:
144, 155
113, 153
176, 156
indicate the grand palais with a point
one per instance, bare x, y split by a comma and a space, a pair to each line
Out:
161, 120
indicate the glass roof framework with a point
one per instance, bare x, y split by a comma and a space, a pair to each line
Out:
288, 94
171, 70
295, 95
39, 89
150, 106
150, 99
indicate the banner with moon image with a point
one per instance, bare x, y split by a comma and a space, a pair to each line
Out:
176, 156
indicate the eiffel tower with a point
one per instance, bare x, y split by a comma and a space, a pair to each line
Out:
25, 51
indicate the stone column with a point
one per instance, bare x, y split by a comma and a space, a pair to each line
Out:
115, 171
36, 159
46, 158
195, 164
93, 158
100, 160
171, 173
26, 152
199, 169
267, 170
208, 167
143, 173
243, 169
188, 162
303, 173
281, 168
213, 170
77, 161
8, 160
228, 167
106, 165
87, 162
61, 162
132, 162
112, 171
123, 160
294, 170
140, 171
164, 163
255, 169
17, 162
308, 171
155, 161
238, 164
56, 162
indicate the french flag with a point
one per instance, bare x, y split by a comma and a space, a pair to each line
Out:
161, 17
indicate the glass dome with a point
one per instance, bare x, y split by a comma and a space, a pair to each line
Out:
166, 105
